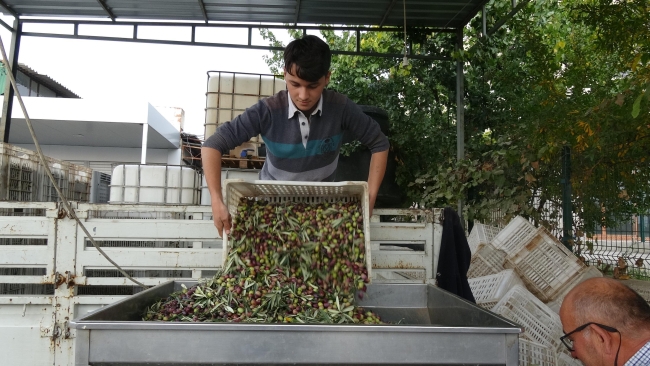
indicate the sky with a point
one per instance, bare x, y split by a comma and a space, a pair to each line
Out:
163, 75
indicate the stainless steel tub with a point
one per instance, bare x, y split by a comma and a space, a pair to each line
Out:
435, 328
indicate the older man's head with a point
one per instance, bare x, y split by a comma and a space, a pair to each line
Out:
605, 322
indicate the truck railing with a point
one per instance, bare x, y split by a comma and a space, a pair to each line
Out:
50, 273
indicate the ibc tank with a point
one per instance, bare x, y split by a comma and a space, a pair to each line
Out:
230, 93
249, 175
154, 184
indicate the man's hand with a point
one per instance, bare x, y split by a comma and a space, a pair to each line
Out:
221, 217
211, 159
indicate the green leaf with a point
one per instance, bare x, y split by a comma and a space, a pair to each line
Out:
636, 107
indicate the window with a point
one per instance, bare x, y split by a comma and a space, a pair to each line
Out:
43, 91
22, 79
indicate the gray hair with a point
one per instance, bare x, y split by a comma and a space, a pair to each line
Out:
611, 303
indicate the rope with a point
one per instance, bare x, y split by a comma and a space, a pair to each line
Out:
65, 202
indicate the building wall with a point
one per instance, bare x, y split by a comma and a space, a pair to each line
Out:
29, 87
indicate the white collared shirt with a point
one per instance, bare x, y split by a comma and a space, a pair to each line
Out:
303, 122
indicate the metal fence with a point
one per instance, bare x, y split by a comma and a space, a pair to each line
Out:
624, 248
620, 247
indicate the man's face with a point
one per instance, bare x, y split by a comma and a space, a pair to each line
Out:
305, 94
583, 347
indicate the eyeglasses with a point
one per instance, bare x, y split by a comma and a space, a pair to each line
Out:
569, 343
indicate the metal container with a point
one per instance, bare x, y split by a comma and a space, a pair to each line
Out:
430, 327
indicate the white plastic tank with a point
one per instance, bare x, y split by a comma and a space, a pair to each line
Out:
154, 184
249, 175
230, 93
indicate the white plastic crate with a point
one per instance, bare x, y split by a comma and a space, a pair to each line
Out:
565, 359
79, 183
641, 287
540, 324
514, 236
531, 353
23, 177
60, 173
18, 174
481, 235
589, 272
486, 261
545, 265
306, 192
488, 290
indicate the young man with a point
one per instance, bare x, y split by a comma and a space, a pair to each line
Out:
302, 128
606, 323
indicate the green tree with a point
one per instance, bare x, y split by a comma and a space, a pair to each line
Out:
571, 74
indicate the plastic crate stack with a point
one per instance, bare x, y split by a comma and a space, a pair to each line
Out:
523, 273
488, 290
540, 324
23, 178
641, 287
18, 174
480, 236
486, 259
589, 272
531, 353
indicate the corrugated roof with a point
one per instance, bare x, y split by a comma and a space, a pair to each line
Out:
47, 81
419, 13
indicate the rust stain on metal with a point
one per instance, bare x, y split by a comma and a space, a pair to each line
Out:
70, 279
58, 280
403, 265
61, 214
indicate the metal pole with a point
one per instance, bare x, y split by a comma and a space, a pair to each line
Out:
484, 21
145, 132
567, 210
7, 104
460, 111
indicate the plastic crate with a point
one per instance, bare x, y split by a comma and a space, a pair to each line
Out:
486, 261
540, 324
488, 290
531, 353
79, 179
306, 192
641, 287
589, 272
99, 187
18, 174
514, 236
60, 173
481, 235
545, 265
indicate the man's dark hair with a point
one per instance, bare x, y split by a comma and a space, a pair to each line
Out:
311, 55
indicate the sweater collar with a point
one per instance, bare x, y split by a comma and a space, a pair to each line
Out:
293, 109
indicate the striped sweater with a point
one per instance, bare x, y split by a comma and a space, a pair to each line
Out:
287, 158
